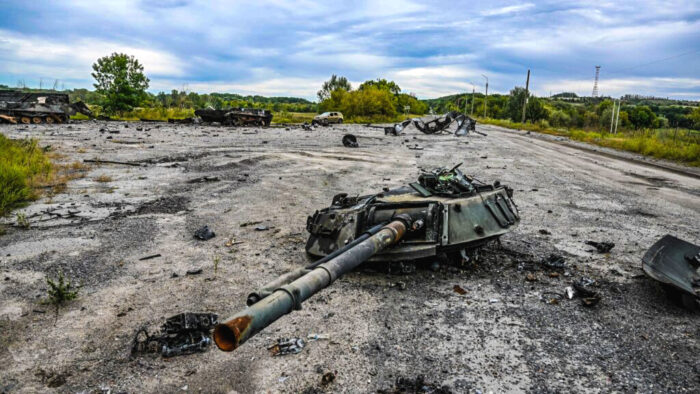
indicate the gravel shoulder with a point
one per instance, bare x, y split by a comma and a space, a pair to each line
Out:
499, 336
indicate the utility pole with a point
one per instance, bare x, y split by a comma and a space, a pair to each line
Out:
466, 98
617, 117
527, 95
473, 92
612, 117
486, 97
595, 83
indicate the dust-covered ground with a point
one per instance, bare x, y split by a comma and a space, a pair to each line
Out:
498, 337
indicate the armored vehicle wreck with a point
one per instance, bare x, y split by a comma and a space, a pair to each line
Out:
22, 107
236, 116
446, 212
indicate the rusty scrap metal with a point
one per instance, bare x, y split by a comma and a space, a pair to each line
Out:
285, 346
181, 334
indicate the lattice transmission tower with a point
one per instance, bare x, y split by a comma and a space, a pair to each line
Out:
595, 83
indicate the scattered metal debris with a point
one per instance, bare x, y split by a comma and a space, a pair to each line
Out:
465, 124
328, 378
551, 297
125, 163
415, 385
317, 337
350, 141
554, 261
397, 128
583, 287
204, 233
676, 264
262, 228
286, 346
601, 247
153, 256
204, 179
181, 334
194, 271
459, 290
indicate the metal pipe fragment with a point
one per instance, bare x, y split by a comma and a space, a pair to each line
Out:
233, 332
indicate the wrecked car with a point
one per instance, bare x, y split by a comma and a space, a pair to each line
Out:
444, 212
327, 118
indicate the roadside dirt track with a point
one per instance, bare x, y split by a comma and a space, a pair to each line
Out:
498, 337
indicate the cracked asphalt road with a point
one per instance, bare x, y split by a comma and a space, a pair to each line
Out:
499, 336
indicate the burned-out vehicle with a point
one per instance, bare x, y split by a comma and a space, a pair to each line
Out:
444, 213
440, 124
236, 116
38, 107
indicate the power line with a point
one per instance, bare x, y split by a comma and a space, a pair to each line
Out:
655, 61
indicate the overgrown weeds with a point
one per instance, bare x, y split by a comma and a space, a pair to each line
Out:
21, 220
680, 145
23, 167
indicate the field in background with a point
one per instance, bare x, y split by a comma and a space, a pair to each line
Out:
679, 145
164, 114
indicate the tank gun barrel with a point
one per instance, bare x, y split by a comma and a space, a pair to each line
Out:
240, 327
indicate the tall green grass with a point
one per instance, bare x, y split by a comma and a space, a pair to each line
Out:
22, 166
679, 145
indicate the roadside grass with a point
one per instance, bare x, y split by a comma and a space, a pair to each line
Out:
103, 179
679, 145
292, 117
24, 167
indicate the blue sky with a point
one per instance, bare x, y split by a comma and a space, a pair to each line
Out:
288, 48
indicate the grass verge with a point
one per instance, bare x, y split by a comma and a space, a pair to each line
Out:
682, 146
24, 166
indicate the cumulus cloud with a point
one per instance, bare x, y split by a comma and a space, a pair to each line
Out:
275, 47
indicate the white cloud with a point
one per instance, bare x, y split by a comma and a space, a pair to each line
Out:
24, 53
507, 10
619, 86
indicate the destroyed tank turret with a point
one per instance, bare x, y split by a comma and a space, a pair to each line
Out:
451, 212
445, 212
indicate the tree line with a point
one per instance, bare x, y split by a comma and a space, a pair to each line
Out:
373, 100
568, 110
120, 86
